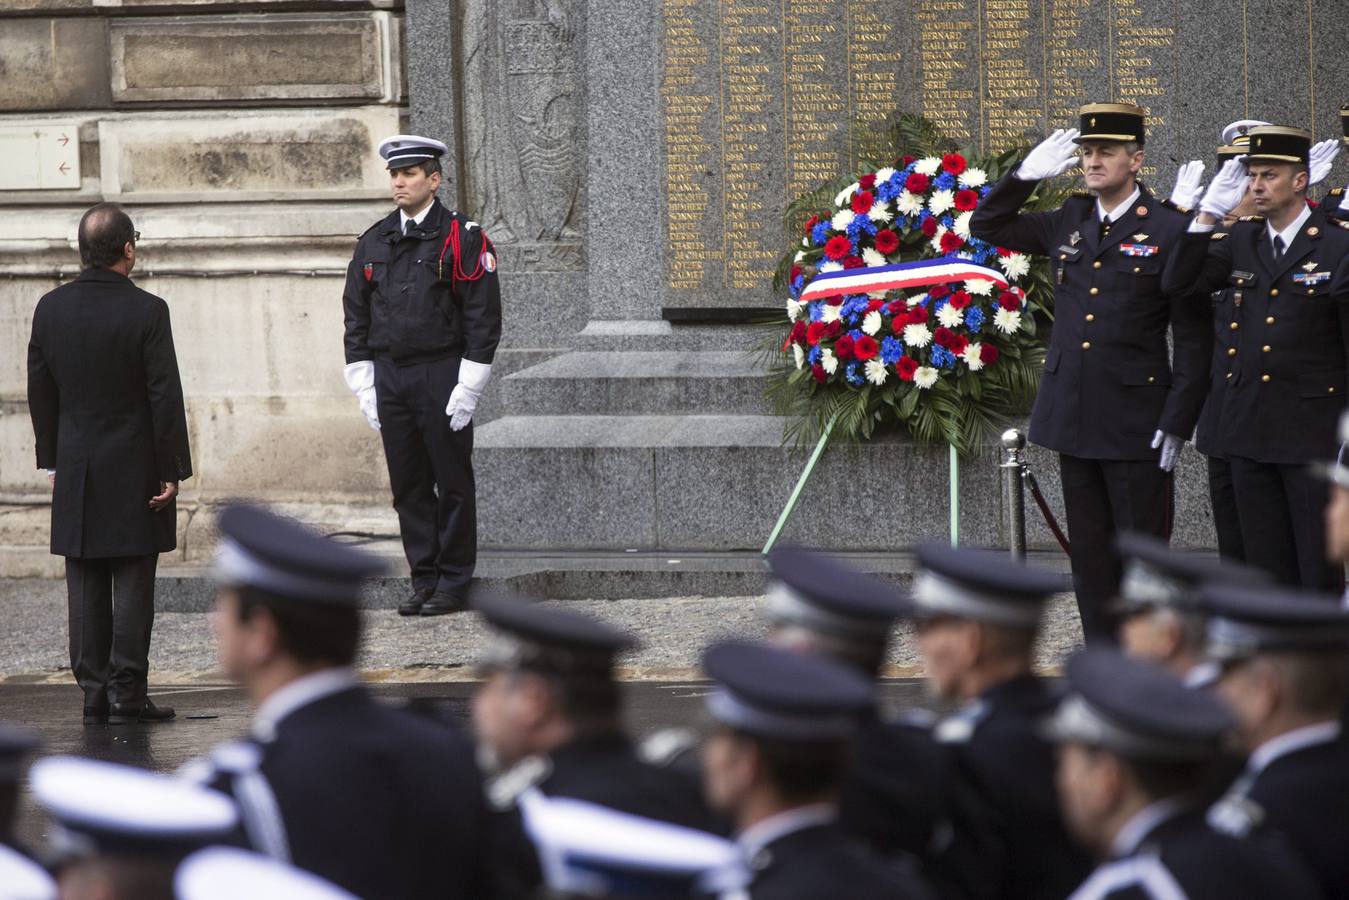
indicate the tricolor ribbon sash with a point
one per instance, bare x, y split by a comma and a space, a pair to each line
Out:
897, 277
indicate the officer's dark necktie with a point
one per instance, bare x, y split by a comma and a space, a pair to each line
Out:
1105, 227
1278, 247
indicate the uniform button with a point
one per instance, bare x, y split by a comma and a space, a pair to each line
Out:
1311, 290
1269, 320
1151, 379
1096, 265
1137, 270
1232, 351
1229, 374
1274, 292
1264, 378
1063, 256
1264, 349
1091, 317
1086, 345
1233, 326
1094, 291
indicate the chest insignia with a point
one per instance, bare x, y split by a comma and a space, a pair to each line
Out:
1075, 238
1310, 277
1140, 237
368, 270
1138, 249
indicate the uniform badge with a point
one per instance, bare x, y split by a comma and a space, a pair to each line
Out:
1309, 267
1140, 237
1141, 212
1138, 249
1075, 238
1310, 278
368, 270
1313, 231
489, 261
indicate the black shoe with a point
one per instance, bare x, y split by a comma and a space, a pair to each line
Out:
413, 605
96, 713
442, 603
132, 713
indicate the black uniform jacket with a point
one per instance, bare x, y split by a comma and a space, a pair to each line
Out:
1183, 851
1009, 839
382, 802
1284, 370
404, 300
894, 793
823, 862
107, 409
1107, 384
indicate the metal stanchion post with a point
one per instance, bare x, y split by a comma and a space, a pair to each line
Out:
1013, 467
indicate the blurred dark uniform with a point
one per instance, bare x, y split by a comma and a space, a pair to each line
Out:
1108, 381
1284, 373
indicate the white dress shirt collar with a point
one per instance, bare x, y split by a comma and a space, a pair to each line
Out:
299, 693
1118, 211
1291, 742
766, 831
1145, 821
403, 217
1291, 232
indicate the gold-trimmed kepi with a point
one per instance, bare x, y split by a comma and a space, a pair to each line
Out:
1240, 146
1279, 143
1111, 122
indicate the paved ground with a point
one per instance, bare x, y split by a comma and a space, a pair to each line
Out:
33, 635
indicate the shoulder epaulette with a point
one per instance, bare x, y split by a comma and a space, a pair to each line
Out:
1336, 220
1336, 192
1082, 195
1252, 219
1218, 235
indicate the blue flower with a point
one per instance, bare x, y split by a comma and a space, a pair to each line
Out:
860, 223
949, 221
816, 311
855, 333
942, 358
820, 233
798, 283
974, 318
813, 357
854, 374
888, 190
944, 182
891, 350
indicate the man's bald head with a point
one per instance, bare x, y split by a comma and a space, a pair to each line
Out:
105, 230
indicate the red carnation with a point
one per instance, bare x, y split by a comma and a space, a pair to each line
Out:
862, 201
843, 347
938, 291
906, 160
958, 344
988, 354
834, 328
929, 227
820, 374
966, 200
798, 332
905, 367
867, 181
1009, 301
811, 223
900, 320
796, 273
866, 347
960, 299
873, 305
836, 300
896, 307
1004, 252
815, 333
918, 314
917, 182
943, 336
837, 247
951, 242
953, 163
853, 262
887, 242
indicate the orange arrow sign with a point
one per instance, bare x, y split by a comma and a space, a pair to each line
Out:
63, 168
64, 140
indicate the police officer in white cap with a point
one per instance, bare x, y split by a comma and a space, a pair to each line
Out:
423, 320
228, 873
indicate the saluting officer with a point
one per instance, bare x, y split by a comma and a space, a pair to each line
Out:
423, 319
1109, 397
1287, 276
1135, 747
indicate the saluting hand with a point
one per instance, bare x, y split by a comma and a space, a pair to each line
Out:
1053, 156
1189, 184
1321, 159
167, 491
1227, 190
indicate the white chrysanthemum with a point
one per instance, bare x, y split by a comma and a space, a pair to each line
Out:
928, 165
884, 174
941, 201
917, 335
979, 287
916, 299
793, 309
879, 212
829, 361
800, 257
875, 295
805, 242
971, 356
799, 355
973, 178
871, 322
841, 220
925, 377
909, 204
831, 266
936, 238
845, 194
875, 372
1016, 265
1007, 321
873, 257
949, 316
830, 313
962, 226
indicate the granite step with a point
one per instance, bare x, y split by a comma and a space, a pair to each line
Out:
666, 382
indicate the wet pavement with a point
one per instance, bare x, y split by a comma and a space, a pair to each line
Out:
208, 715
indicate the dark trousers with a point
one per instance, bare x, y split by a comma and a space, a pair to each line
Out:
1222, 496
1282, 511
112, 607
1103, 497
430, 471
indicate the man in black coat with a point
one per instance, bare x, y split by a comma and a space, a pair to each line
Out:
1286, 274
382, 802
1109, 397
107, 409
423, 320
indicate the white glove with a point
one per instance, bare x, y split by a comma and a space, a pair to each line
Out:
1227, 189
1189, 184
360, 378
1054, 155
1322, 158
464, 398
1170, 446
1344, 203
